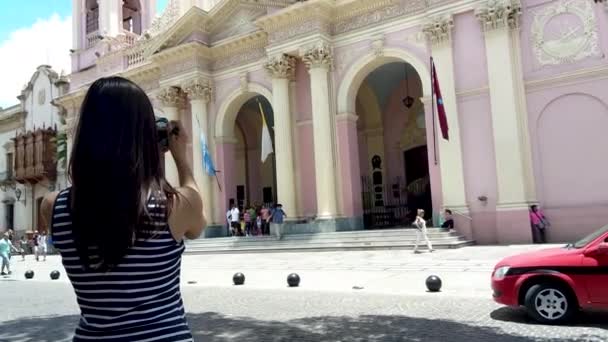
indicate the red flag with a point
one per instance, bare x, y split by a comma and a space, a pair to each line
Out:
443, 120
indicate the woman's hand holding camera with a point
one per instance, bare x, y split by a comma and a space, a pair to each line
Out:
178, 142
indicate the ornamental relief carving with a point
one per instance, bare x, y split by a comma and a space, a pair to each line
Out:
299, 29
318, 56
439, 30
497, 14
565, 32
199, 88
380, 15
172, 97
239, 58
283, 66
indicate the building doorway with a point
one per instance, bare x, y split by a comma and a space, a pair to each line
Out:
393, 153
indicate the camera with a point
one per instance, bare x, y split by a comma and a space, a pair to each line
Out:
164, 129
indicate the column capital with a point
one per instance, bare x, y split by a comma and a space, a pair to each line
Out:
172, 97
499, 14
318, 56
199, 89
438, 30
283, 66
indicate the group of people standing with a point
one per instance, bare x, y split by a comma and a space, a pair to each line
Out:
38, 244
253, 220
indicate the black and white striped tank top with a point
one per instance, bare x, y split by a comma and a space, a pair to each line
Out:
139, 299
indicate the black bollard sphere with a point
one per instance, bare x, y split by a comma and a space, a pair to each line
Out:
433, 283
238, 278
55, 275
293, 280
29, 274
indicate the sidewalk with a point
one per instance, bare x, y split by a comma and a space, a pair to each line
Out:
465, 271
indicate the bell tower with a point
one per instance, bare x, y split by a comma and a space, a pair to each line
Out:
92, 20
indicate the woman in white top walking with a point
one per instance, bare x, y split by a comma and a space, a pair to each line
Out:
420, 225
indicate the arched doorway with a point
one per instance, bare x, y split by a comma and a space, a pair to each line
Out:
245, 179
392, 141
255, 178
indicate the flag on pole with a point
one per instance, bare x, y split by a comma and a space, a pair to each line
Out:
207, 161
266, 141
443, 120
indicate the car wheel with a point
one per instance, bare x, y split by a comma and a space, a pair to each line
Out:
550, 303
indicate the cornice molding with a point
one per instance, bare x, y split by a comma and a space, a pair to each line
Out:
499, 14
566, 79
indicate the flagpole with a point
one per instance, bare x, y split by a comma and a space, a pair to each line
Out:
433, 111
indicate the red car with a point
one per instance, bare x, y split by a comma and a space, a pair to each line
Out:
553, 284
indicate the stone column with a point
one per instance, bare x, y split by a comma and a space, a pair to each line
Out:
199, 91
348, 149
282, 69
438, 32
172, 99
500, 22
318, 60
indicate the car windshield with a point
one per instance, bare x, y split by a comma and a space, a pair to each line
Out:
586, 240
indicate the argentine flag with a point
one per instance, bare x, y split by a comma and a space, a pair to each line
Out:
207, 161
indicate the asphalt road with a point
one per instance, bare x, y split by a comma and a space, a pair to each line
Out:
45, 311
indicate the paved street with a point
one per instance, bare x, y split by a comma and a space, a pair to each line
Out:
391, 304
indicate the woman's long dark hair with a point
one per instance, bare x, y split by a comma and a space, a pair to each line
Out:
115, 168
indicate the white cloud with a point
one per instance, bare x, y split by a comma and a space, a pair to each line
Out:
47, 41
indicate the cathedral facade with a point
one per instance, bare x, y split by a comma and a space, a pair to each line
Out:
346, 92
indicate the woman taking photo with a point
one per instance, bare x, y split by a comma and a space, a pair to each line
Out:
120, 227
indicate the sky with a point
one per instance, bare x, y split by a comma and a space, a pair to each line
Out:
32, 33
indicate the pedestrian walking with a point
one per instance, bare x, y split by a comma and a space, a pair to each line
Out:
42, 245
278, 214
539, 225
35, 243
120, 227
6, 247
266, 214
421, 232
23, 245
247, 221
235, 220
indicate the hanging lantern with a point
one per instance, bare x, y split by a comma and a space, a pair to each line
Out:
408, 101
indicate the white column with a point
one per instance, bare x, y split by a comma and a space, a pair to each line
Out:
318, 60
438, 32
172, 99
77, 23
199, 91
500, 21
282, 70
510, 130
110, 17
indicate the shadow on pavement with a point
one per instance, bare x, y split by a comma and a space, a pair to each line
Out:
589, 319
216, 327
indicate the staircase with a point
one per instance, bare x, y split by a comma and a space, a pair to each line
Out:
400, 238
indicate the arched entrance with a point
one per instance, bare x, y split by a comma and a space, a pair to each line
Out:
244, 177
255, 178
392, 141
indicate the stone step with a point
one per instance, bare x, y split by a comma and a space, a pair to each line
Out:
312, 247
244, 241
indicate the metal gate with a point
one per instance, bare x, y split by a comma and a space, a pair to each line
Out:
384, 205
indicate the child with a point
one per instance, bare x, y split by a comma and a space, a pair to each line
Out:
247, 219
258, 224
23, 247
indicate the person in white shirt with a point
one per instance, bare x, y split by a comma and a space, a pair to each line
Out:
421, 232
235, 220
42, 245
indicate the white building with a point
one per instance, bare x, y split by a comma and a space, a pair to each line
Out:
34, 113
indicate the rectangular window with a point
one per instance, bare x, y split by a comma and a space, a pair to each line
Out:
9, 165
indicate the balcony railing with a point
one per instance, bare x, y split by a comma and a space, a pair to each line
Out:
93, 38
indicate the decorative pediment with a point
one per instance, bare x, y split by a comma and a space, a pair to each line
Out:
242, 22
